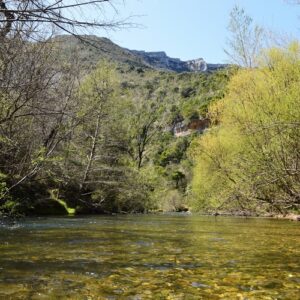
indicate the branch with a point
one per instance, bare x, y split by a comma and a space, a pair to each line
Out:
9, 17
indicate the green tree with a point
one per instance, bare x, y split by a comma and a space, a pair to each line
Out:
250, 160
97, 173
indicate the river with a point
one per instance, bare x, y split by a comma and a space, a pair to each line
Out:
150, 257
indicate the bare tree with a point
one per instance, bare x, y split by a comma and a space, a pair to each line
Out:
35, 114
246, 39
65, 15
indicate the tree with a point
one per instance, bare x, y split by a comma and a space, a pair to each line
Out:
95, 172
35, 101
250, 160
144, 124
246, 39
97, 97
30, 16
37, 94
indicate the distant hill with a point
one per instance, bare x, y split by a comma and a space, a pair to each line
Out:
89, 49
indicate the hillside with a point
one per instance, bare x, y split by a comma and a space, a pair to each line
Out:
106, 130
89, 49
99, 128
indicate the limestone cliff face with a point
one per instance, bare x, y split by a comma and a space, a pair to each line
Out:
197, 65
160, 60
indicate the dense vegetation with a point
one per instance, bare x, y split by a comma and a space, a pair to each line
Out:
90, 129
94, 137
249, 161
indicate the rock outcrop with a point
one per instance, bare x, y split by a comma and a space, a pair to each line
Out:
161, 60
196, 65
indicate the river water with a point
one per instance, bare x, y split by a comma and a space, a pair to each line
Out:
150, 257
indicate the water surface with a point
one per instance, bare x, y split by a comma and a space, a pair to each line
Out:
150, 257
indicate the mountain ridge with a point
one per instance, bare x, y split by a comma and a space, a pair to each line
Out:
91, 48
161, 60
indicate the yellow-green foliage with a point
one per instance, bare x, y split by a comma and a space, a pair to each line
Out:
250, 159
98, 89
54, 195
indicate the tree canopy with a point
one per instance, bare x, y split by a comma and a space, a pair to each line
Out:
250, 159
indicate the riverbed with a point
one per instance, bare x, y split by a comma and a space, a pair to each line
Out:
150, 257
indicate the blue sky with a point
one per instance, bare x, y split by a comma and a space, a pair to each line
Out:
197, 28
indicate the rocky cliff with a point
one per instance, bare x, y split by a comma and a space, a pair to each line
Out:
160, 60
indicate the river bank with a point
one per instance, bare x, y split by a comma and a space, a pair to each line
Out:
4, 219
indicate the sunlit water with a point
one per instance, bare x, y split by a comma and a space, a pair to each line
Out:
150, 257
